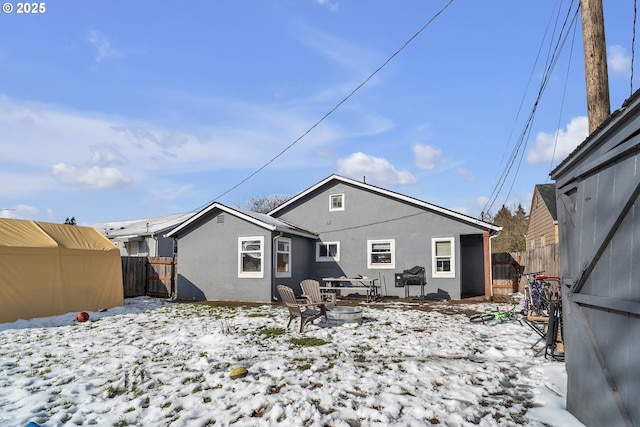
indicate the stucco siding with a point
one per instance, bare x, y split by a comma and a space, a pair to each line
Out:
371, 216
208, 262
302, 252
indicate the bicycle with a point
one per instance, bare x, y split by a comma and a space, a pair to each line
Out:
494, 317
540, 291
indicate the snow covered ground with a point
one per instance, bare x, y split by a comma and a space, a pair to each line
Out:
158, 363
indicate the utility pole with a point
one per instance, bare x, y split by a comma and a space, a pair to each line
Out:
595, 63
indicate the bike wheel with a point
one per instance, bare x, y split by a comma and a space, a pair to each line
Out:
481, 318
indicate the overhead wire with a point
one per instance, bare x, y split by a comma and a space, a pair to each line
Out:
504, 174
552, 65
564, 93
332, 110
520, 146
633, 43
526, 90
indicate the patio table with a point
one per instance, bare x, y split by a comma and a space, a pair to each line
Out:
368, 285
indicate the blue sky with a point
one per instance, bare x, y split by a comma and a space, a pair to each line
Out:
114, 110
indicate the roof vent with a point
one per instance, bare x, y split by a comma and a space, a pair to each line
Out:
220, 219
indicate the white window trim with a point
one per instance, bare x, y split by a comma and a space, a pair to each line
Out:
331, 208
251, 274
371, 265
276, 252
327, 259
434, 265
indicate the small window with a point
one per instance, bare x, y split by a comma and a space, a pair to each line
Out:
250, 255
381, 253
283, 257
532, 245
542, 242
327, 251
336, 202
443, 264
133, 248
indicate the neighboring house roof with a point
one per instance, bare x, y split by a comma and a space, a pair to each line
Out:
259, 219
388, 193
548, 194
136, 228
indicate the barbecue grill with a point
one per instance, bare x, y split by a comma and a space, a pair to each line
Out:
412, 277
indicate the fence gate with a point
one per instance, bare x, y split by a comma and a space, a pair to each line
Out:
151, 276
600, 243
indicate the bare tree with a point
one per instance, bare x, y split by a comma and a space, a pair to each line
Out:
266, 204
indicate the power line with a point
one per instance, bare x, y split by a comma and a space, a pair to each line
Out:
524, 136
633, 44
345, 99
564, 93
531, 74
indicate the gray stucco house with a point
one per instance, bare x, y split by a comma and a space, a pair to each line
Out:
338, 227
143, 237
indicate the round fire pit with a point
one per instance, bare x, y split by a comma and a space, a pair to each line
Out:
341, 315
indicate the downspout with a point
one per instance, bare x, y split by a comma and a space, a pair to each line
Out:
274, 266
491, 266
174, 272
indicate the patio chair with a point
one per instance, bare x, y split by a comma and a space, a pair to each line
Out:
303, 309
311, 291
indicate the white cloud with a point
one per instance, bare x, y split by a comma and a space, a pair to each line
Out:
35, 137
332, 6
618, 61
465, 174
545, 147
93, 177
358, 59
106, 155
426, 156
18, 211
103, 47
376, 170
25, 183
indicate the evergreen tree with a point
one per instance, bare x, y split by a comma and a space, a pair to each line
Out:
514, 227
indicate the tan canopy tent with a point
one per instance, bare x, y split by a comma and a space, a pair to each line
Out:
49, 269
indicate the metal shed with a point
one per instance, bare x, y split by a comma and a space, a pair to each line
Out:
599, 226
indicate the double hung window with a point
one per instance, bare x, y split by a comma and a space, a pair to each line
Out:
443, 257
381, 253
283, 257
250, 256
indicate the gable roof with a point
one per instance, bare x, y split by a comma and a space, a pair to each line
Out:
548, 194
388, 193
262, 220
123, 230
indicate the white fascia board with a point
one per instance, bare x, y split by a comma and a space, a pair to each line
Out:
225, 209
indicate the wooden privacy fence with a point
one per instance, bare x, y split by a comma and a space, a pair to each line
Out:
152, 276
507, 267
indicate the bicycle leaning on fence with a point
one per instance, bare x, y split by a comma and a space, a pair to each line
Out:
539, 292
